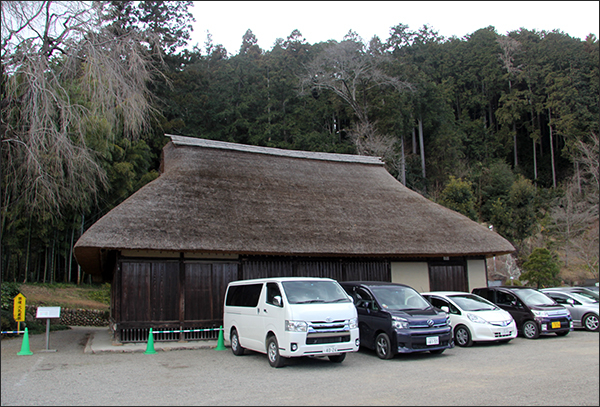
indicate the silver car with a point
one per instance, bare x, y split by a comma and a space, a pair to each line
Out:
583, 308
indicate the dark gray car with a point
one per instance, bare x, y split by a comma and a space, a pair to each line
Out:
583, 308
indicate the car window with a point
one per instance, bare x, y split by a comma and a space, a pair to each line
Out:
399, 298
439, 302
533, 297
559, 298
485, 293
362, 294
583, 299
310, 291
589, 297
272, 292
503, 298
243, 295
471, 302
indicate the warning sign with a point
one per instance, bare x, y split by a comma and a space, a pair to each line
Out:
19, 308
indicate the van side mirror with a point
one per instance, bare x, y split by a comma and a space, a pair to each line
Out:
277, 301
445, 309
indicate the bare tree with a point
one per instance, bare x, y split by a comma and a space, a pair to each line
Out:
571, 217
349, 71
67, 76
510, 47
587, 156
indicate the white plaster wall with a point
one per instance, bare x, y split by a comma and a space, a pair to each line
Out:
476, 274
412, 274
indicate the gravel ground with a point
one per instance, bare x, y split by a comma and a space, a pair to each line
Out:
548, 371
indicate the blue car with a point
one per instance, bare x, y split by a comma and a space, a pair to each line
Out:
395, 318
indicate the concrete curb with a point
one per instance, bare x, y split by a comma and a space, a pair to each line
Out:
101, 341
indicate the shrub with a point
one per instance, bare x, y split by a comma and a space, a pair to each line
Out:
9, 292
101, 295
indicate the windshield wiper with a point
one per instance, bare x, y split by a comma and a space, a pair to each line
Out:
309, 301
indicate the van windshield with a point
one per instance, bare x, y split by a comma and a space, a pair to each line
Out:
306, 292
399, 298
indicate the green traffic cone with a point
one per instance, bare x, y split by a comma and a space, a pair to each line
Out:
150, 346
25, 345
220, 343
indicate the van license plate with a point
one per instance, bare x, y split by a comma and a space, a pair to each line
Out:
555, 324
433, 340
330, 349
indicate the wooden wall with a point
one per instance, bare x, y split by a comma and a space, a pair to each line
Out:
180, 294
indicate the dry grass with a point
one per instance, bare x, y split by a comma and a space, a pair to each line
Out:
66, 297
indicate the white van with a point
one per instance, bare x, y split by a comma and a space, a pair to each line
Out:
289, 317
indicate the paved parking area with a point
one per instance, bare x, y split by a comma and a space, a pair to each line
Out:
547, 371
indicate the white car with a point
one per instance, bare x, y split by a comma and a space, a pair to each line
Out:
473, 318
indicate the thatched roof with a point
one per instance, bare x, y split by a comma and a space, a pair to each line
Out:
217, 197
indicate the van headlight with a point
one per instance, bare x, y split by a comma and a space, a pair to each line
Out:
539, 313
295, 326
353, 323
400, 323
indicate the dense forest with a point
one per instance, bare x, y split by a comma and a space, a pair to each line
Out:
500, 127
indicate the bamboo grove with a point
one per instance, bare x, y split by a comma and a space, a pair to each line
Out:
500, 127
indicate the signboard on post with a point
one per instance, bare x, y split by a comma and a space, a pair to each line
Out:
48, 312
19, 308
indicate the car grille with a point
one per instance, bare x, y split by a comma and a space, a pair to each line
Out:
424, 325
327, 332
500, 335
501, 323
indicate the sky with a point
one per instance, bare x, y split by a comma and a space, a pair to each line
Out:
227, 21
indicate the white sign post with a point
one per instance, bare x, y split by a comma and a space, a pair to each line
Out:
48, 312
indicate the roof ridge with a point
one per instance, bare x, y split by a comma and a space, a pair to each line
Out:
200, 142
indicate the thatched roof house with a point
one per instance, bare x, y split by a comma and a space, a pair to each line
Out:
215, 198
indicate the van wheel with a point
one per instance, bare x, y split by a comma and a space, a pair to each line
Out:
337, 358
590, 322
383, 346
530, 330
235, 343
275, 360
462, 336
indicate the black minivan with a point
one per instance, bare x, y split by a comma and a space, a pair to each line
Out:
395, 318
533, 311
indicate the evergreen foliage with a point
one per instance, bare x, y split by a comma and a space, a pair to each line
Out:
541, 269
489, 125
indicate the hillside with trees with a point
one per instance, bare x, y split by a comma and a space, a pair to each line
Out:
500, 127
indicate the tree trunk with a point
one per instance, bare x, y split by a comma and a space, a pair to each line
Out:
552, 149
421, 146
27, 254
79, 273
535, 176
52, 262
45, 263
71, 254
402, 162
515, 143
